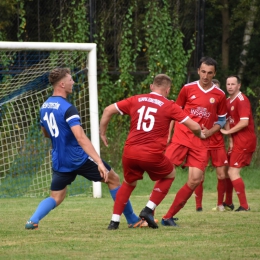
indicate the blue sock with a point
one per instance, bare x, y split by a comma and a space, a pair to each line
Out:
43, 209
130, 216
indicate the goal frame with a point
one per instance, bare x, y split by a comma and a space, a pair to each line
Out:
91, 66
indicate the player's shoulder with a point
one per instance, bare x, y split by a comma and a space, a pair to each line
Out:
191, 84
219, 90
242, 97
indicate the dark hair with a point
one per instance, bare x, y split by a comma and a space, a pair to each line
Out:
162, 80
208, 61
57, 74
215, 81
235, 76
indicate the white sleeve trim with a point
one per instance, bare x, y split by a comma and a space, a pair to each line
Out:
186, 118
121, 113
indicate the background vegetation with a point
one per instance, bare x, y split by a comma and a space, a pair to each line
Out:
138, 39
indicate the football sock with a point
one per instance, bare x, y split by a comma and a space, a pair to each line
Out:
121, 196
180, 200
229, 192
239, 187
160, 190
221, 188
199, 195
43, 209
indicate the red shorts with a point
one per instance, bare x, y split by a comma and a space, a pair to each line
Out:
178, 153
158, 169
218, 157
239, 160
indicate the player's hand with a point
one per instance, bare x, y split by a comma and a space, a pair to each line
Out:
205, 131
104, 139
202, 135
103, 171
224, 131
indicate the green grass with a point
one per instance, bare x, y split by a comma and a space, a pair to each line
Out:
77, 228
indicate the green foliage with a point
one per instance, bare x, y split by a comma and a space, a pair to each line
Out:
164, 46
128, 55
22, 20
164, 53
73, 23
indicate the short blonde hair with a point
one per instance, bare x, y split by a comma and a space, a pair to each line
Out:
57, 74
162, 80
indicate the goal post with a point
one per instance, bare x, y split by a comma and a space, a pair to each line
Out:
24, 86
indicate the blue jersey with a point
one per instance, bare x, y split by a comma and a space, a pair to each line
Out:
57, 117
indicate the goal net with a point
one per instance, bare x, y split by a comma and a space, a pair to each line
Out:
25, 158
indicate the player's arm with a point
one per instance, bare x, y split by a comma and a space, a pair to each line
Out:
239, 126
194, 127
230, 139
45, 133
108, 112
170, 131
88, 147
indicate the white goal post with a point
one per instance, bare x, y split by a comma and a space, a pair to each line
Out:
90, 67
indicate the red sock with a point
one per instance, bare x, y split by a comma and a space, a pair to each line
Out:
160, 190
221, 188
239, 187
180, 200
229, 192
122, 198
199, 195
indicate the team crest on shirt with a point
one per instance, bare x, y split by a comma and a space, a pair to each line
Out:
232, 108
212, 100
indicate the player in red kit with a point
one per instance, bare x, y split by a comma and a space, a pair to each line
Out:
203, 102
144, 148
217, 154
241, 129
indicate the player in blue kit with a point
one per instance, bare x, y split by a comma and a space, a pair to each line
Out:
72, 152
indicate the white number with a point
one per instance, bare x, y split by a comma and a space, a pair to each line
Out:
54, 130
146, 117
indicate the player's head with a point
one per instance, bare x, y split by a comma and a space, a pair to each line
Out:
208, 61
161, 84
57, 74
233, 84
61, 80
206, 71
216, 82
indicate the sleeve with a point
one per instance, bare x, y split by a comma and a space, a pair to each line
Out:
124, 106
72, 116
181, 99
222, 108
178, 114
244, 109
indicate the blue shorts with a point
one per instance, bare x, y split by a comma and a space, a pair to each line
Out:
88, 170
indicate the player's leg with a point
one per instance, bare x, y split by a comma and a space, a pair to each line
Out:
198, 192
114, 186
237, 162
162, 170
57, 195
197, 162
132, 173
228, 203
183, 194
90, 171
221, 188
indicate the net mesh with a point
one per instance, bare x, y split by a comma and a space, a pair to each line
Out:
25, 158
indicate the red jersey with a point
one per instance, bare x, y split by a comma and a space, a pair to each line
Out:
151, 115
239, 108
216, 141
203, 106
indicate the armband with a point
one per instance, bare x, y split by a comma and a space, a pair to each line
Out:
221, 121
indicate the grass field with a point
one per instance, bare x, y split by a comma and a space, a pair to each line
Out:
77, 228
